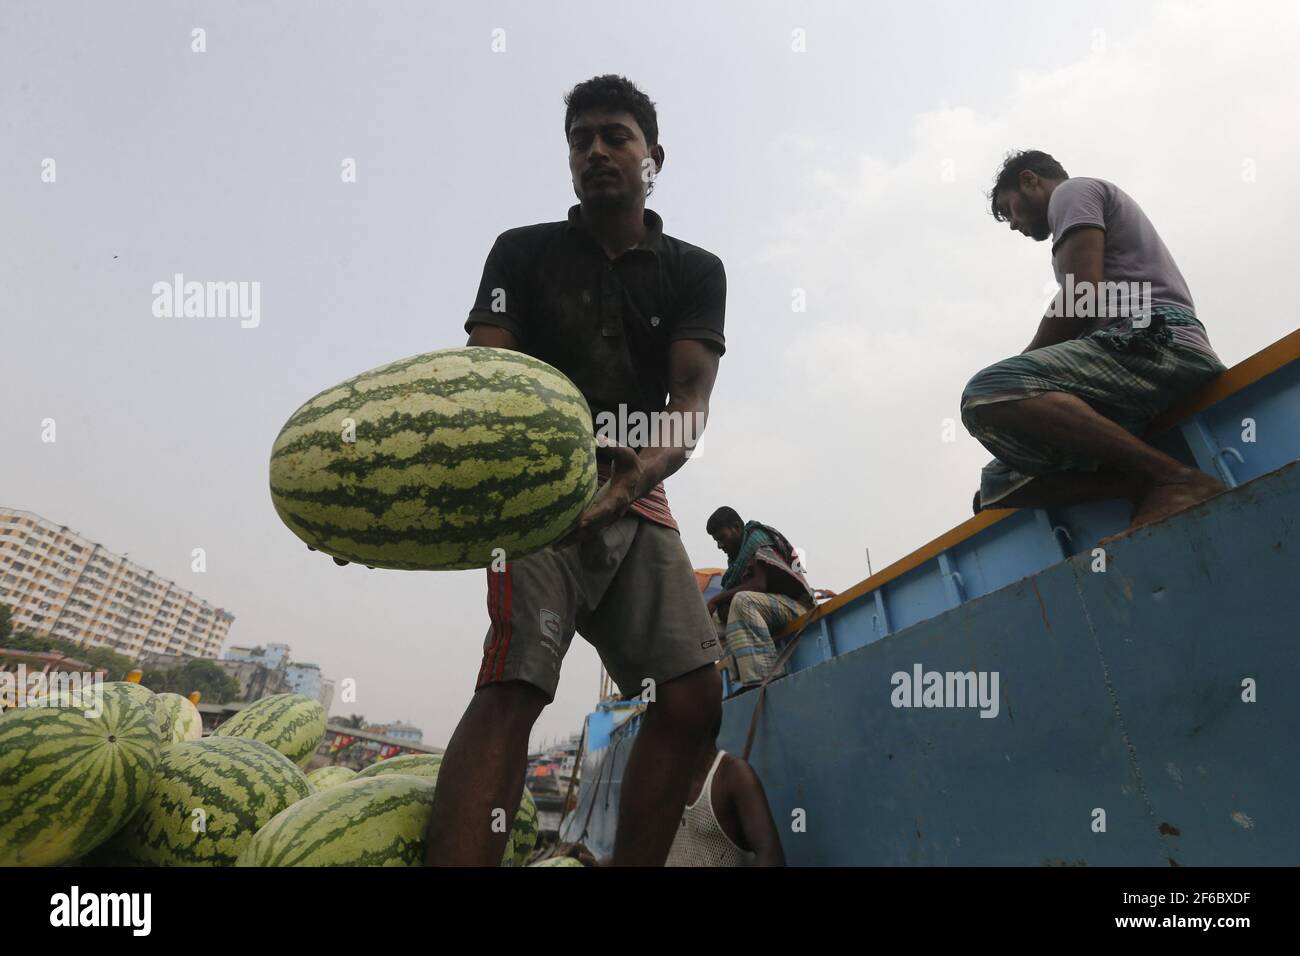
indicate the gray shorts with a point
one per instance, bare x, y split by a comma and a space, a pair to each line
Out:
630, 592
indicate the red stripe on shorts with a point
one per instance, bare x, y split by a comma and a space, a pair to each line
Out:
509, 583
498, 601
491, 643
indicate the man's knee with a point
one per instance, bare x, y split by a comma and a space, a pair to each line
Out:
743, 601
969, 412
980, 384
512, 703
987, 381
691, 703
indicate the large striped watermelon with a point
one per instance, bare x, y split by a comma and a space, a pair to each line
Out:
179, 718
523, 831
376, 821
457, 453
326, 777
238, 784
68, 781
419, 765
293, 724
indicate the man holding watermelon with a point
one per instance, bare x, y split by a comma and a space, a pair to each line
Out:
632, 316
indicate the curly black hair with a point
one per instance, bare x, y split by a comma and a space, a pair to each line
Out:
614, 93
1014, 164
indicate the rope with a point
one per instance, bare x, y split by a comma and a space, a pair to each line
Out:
577, 769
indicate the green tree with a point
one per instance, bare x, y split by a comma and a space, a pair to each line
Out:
355, 721
7, 633
158, 680
214, 684
116, 665
27, 641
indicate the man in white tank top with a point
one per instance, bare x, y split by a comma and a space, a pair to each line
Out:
727, 821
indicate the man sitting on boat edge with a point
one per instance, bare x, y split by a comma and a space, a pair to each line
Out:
1065, 416
763, 590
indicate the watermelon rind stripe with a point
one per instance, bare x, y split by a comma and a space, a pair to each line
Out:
475, 370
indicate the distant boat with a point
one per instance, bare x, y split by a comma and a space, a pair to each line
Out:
548, 779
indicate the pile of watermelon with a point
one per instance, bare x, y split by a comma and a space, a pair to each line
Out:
128, 780
445, 460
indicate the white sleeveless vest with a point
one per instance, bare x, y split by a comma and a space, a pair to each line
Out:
700, 840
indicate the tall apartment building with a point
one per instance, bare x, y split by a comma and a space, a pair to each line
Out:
63, 585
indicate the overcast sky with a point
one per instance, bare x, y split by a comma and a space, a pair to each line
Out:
854, 170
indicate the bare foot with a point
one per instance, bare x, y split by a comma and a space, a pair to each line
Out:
1164, 500
1161, 501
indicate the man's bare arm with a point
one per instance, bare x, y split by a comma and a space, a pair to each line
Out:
756, 816
1081, 255
493, 336
755, 578
692, 371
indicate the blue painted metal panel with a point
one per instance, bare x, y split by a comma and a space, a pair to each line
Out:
854, 626
1177, 638
1118, 690
1085, 525
1010, 550
917, 595
944, 786
1273, 403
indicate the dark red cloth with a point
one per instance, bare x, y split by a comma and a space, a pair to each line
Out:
653, 507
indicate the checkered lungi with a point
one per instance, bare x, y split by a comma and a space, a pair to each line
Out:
754, 616
1128, 375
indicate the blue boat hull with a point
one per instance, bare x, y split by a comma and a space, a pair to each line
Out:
1124, 732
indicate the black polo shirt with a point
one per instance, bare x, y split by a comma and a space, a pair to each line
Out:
605, 323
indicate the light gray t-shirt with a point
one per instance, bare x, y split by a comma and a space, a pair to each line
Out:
1135, 253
